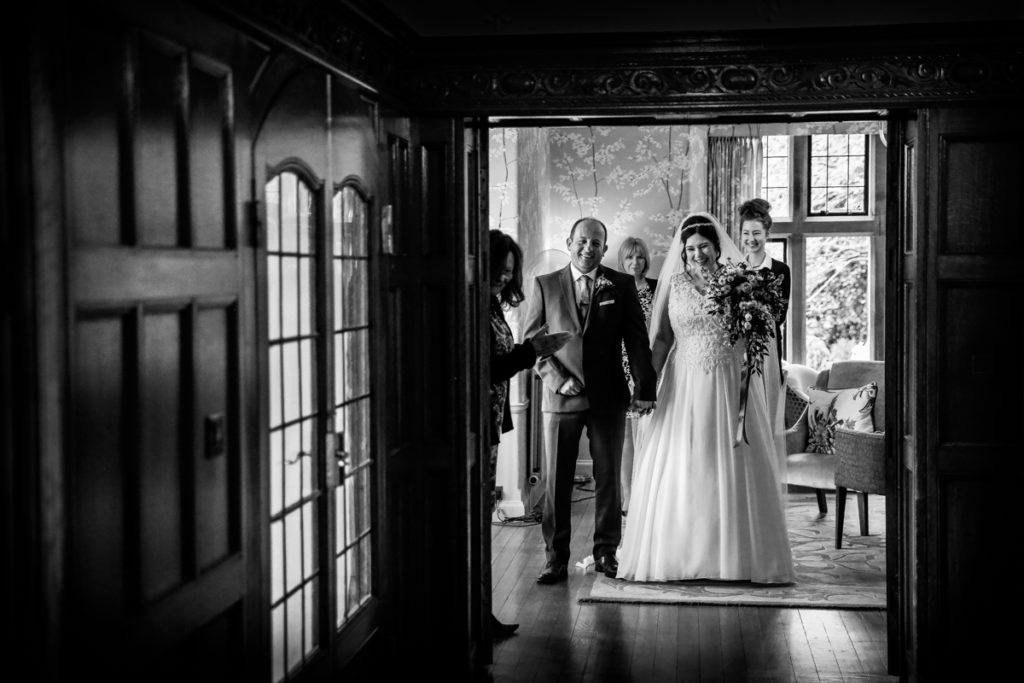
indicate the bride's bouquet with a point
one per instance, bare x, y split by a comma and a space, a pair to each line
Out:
747, 302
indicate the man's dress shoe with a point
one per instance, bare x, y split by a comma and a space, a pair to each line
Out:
553, 573
500, 630
607, 565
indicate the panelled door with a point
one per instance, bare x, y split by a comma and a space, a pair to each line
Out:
434, 397
315, 169
161, 564
903, 358
962, 426
477, 371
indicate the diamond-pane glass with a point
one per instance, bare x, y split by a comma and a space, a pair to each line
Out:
838, 175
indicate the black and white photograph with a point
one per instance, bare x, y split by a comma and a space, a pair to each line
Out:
507, 341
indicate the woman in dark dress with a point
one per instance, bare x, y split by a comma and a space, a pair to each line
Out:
507, 357
635, 260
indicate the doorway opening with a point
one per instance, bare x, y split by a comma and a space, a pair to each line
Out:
826, 181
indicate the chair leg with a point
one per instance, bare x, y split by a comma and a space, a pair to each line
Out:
862, 508
840, 514
822, 503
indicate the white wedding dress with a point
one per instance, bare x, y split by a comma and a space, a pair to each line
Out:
702, 509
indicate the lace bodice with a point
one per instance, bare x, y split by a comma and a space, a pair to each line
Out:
700, 340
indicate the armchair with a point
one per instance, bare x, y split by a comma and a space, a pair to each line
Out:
860, 466
863, 468
799, 376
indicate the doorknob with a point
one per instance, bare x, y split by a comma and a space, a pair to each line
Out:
340, 454
213, 431
293, 459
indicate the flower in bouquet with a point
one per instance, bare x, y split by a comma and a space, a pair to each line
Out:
747, 302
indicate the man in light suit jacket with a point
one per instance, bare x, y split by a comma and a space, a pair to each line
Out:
584, 386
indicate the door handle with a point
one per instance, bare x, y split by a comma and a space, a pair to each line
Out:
341, 456
291, 460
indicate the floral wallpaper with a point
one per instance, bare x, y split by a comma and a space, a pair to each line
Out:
640, 181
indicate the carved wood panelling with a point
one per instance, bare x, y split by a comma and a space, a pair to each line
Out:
155, 295
182, 109
164, 475
172, 151
971, 224
848, 67
103, 390
435, 169
976, 344
908, 208
966, 561
867, 80
211, 153
908, 362
399, 179
92, 149
217, 478
155, 75
212, 652
140, 425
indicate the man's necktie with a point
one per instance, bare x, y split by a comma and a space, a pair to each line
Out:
583, 296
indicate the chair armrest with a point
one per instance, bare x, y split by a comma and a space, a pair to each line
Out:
796, 436
860, 460
796, 405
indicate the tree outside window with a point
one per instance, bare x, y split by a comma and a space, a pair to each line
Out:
837, 298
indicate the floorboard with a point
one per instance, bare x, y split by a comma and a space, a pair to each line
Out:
688, 657
561, 640
733, 659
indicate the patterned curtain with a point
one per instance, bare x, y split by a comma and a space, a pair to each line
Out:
734, 176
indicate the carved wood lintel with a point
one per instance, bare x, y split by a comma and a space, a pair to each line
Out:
865, 81
847, 68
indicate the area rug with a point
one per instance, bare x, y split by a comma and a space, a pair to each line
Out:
850, 578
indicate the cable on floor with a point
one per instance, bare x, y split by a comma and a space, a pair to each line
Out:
534, 517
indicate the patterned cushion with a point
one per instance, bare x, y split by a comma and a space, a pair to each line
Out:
796, 403
851, 408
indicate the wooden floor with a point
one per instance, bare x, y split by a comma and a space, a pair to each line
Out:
560, 639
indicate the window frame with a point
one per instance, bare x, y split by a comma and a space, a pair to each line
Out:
789, 169
800, 225
869, 159
370, 465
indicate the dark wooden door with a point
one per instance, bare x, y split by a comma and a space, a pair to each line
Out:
22, 577
433, 431
903, 361
963, 420
162, 571
476, 368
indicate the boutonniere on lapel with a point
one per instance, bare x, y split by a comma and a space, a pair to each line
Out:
601, 283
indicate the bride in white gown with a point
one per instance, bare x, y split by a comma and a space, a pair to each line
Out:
702, 508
